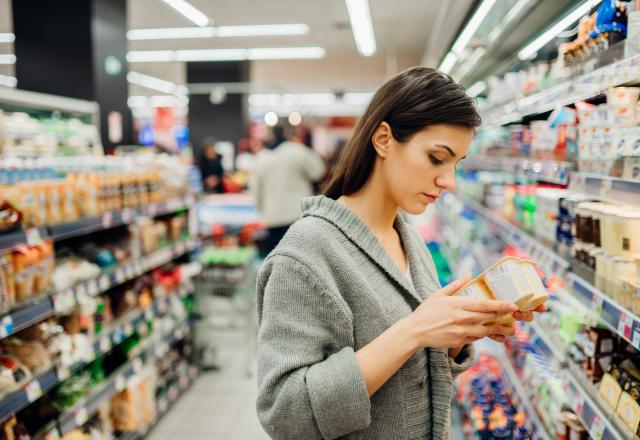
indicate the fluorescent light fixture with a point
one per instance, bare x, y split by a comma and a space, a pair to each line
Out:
448, 62
291, 99
261, 30
472, 26
357, 98
265, 53
533, 47
362, 26
157, 101
7, 37
210, 55
271, 119
151, 82
476, 89
189, 11
295, 118
514, 13
170, 33
147, 56
8, 58
8, 81
465, 68
218, 31
285, 53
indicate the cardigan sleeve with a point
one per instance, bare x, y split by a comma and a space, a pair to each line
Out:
309, 382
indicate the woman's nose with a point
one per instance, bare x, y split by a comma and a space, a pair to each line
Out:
446, 181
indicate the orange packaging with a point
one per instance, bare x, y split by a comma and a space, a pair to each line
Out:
69, 201
44, 267
7, 283
24, 261
54, 202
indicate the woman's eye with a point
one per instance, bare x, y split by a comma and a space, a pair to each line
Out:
434, 160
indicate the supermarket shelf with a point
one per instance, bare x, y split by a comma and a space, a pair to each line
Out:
510, 234
42, 383
10, 240
616, 317
601, 424
80, 413
584, 87
539, 337
118, 218
68, 298
613, 189
514, 384
42, 101
542, 170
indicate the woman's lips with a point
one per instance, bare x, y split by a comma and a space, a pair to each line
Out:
429, 198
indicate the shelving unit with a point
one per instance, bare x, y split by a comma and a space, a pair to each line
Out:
587, 86
543, 170
616, 190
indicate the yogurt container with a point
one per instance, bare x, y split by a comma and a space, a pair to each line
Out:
510, 279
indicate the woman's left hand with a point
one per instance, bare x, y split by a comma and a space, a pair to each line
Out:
528, 316
521, 316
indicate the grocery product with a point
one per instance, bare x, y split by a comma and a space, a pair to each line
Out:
509, 279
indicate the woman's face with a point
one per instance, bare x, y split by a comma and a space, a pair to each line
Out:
418, 171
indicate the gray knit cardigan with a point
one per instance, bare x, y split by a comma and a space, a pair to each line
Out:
326, 291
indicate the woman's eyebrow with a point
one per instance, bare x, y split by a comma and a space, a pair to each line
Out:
451, 152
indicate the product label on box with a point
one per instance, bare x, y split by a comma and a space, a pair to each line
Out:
33, 390
500, 280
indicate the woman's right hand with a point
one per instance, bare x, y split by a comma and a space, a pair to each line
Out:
447, 321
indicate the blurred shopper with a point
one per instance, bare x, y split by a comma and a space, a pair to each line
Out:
280, 179
357, 340
211, 166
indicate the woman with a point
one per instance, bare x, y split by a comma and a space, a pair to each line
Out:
357, 340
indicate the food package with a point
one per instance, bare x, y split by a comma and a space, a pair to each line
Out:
13, 374
7, 283
44, 267
24, 263
33, 354
510, 279
610, 390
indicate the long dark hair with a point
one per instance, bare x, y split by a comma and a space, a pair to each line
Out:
409, 102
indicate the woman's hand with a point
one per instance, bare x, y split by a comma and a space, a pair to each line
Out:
446, 321
528, 316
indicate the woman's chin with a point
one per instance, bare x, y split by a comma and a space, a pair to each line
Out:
415, 208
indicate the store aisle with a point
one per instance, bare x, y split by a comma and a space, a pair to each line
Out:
219, 405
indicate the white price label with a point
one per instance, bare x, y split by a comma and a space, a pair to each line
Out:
80, 416
105, 344
104, 283
128, 329
636, 338
579, 404
142, 328
107, 220
605, 188
173, 393
33, 237
153, 209
120, 275
597, 428
62, 373
137, 267
121, 383
7, 325
33, 390
127, 215
163, 405
184, 381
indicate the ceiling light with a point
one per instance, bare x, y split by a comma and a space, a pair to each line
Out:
357, 98
465, 68
8, 81
285, 53
515, 13
146, 56
295, 118
219, 31
170, 33
271, 119
210, 55
448, 62
189, 11
266, 53
260, 30
362, 27
476, 89
157, 101
7, 58
532, 48
472, 26
151, 82
7, 37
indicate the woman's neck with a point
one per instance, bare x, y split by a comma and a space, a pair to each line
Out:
373, 205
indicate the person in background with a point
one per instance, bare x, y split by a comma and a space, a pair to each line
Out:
280, 180
211, 166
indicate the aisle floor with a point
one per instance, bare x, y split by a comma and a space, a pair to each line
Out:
220, 404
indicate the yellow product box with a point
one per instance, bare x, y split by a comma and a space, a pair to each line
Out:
629, 411
610, 390
510, 279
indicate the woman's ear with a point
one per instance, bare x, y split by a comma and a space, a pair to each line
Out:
381, 139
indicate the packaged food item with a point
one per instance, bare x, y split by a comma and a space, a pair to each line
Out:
55, 191
509, 279
623, 95
7, 283
44, 267
10, 217
24, 263
629, 411
13, 374
610, 390
32, 353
